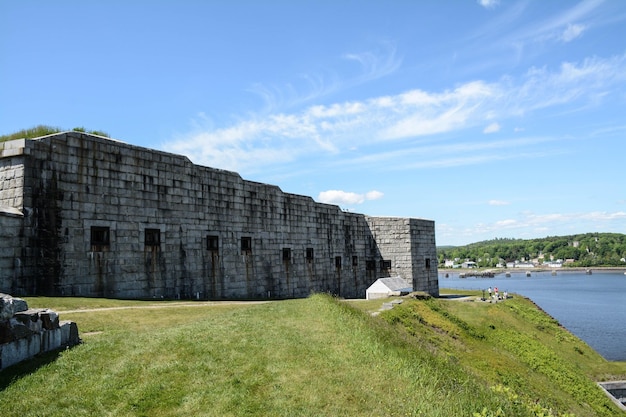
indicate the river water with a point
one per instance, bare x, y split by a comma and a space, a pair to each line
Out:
593, 307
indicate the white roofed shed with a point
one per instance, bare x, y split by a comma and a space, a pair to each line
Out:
385, 287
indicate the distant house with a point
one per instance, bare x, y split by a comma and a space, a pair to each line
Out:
385, 287
469, 264
554, 264
448, 263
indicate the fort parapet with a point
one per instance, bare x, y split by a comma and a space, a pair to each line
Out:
84, 215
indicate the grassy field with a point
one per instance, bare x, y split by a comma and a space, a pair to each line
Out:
313, 357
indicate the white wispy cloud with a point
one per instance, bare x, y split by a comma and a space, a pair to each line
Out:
573, 81
536, 222
492, 128
315, 85
510, 35
488, 4
572, 32
557, 27
305, 89
506, 223
344, 198
498, 203
446, 155
375, 65
533, 219
264, 140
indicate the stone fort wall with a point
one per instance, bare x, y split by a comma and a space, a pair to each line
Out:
90, 216
11, 242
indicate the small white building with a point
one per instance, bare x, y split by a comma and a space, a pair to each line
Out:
385, 287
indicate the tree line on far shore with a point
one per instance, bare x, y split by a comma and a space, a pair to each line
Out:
583, 250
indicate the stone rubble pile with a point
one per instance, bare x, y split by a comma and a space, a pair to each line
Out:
26, 332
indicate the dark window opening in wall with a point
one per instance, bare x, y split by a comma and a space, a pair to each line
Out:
212, 243
355, 261
100, 236
427, 263
286, 254
246, 244
370, 265
153, 237
337, 261
385, 265
309, 254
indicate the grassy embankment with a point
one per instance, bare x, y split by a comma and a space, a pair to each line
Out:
317, 356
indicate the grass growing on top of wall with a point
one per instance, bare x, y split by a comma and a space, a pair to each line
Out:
43, 130
317, 356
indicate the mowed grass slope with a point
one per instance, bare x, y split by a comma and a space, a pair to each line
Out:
313, 357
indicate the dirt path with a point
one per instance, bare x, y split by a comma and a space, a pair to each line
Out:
164, 305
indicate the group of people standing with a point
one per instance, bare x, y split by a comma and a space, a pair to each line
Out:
495, 294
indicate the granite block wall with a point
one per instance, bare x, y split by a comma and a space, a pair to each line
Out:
11, 243
410, 244
108, 219
11, 213
12, 173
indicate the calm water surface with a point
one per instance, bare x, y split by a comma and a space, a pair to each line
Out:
593, 307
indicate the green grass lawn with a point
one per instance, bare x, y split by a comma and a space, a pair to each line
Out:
312, 357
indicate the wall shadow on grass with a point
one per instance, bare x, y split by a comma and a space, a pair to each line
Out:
19, 370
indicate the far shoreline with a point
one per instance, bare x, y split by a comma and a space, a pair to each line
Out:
497, 271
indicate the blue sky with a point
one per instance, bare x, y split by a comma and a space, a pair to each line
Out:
493, 118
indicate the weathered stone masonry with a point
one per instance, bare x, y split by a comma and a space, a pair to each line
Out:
89, 216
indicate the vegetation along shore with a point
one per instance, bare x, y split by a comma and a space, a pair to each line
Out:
496, 271
589, 250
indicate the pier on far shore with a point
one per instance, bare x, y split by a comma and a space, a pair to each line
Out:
478, 274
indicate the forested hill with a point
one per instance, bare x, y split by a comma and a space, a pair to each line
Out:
590, 249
